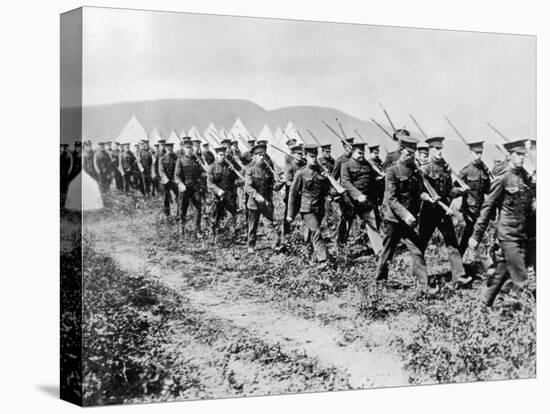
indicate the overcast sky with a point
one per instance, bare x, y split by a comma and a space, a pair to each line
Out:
471, 77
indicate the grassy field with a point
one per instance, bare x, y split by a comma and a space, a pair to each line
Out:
169, 318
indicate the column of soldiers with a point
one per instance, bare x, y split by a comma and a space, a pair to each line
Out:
403, 199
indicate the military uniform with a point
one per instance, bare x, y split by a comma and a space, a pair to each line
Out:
512, 192
291, 167
77, 161
115, 165
433, 216
259, 181
155, 170
476, 176
402, 198
189, 172
145, 159
223, 182
346, 207
127, 168
65, 171
308, 191
359, 179
167, 169
102, 164
88, 162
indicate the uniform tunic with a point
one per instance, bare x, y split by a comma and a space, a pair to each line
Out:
346, 207
513, 193
189, 172
221, 177
167, 169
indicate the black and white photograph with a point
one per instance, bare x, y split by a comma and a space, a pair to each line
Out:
258, 206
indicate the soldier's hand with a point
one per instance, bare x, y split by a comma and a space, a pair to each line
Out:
260, 199
362, 198
289, 219
473, 243
221, 193
182, 187
410, 220
436, 199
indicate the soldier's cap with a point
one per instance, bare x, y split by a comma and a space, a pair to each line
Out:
516, 146
101, 143
251, 139
476, 146
435, 142
186, 143
156, 145
205, 144
225, 141
289, 141
311, 149
161, 141
296, 148
170, 144
259, 148
326, 146
423, 147
108, 142
262, 142
126, 144
400, 133
350, 140
220, 149
144, 141
77, 144
374, 148
532, 144
88, 142
116, 143
186, 138
408, 142
358, 146
196, 141
64, 145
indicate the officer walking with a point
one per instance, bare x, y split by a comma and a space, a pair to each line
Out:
346, 209
512, 192
145, 164
291, 167
167, 169
88, 160
102, 164
307, 196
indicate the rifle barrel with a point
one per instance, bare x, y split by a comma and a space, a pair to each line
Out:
387, 117
418, 126
456, 130
500, 134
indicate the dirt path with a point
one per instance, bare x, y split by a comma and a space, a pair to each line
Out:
366, 359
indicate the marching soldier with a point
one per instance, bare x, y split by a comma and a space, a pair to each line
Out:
167, 169
127, 167
402, 197
223, 182
291, 167
259, 184
77, 160
375, 159
422, 154
188, 177
513, 193
432, 216
102, 164
160, 151
307, 196
88, 160
326, 159
207, 155
359, 180
65, 172
145, 165
247, 156
346, 209
476, 175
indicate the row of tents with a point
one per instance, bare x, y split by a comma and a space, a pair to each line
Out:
133, 132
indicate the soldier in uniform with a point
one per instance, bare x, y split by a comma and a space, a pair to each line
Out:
65, 171
145, 165
115, 166
127, 167
359, 180
207, 155
77, 160
259, 184
189, 177
402, 198
346, 208
326, 159
477, 176
167, 169
375, 159
292, 166
307, 196
160, 151
88, 160
422, 154
247, 156
102, 164
513, 193
393, 156
223, 182
432, 216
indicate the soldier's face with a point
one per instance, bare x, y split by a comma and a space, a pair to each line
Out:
326, 152
311, 158
407, 155
437, 153
358, 155
517, 159
422, 156
169, 150
476, 155
375, 154
108, 146
188, 150
145, 146
162, 147
77, 149
259, 156
298, 155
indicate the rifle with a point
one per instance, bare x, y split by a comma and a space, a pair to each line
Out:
433, 194
373, 165
341, 128
387, 117
382, 128
236, 171
500, 134
335, 184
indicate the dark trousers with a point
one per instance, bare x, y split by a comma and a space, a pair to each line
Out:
510, 265
184, 200
345, 221
435, 218
64, 189
219, 207
127, 182
393, 234
104, 181
254, 219
119, 182
368, 216
286, 225
312, 234
169, 188
147, 182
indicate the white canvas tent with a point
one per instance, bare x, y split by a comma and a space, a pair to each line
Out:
194, 133
173, 138
83, 194
154, 135
183, 133
265, 134
133, 132
239, 132
292, 133
278, 141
